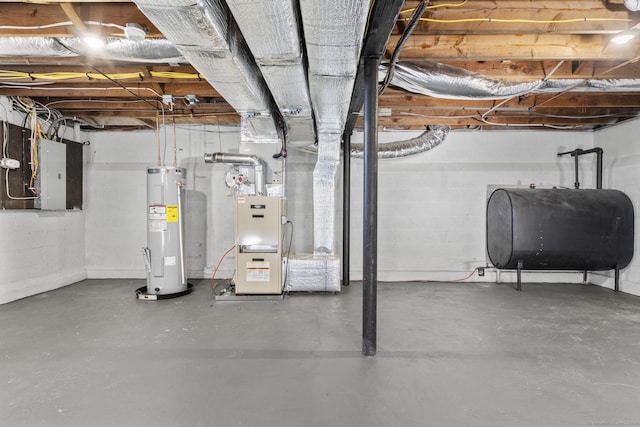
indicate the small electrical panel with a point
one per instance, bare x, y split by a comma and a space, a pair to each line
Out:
51, 181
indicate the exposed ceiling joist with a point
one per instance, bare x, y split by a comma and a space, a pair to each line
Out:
509, 40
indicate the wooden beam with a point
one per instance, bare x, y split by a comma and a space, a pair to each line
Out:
34, 15
393, 98
524, 17
522, 120
80, 28
518, 47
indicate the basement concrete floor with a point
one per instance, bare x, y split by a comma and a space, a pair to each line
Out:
465, 354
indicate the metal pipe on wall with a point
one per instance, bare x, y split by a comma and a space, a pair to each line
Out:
599, 154
258, 164
346, 207
370, 230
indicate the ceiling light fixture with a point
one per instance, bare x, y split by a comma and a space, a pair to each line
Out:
134, 32
93, 41
623, 37
633, 5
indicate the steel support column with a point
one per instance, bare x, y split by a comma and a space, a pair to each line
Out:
346, 207
370, 215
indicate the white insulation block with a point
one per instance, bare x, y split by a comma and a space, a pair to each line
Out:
308, 273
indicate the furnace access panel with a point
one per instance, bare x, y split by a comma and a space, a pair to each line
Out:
258, 251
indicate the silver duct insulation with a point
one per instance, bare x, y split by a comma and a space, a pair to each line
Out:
273, 38
208, 37
433, 137
148, 51
308, 273
333, 32
449, 82
259, 166
446, 81
324, 194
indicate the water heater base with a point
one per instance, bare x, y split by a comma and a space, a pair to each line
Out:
141, 294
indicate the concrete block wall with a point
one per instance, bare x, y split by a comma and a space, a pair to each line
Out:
41, 250
622, 172
432, 206
116, 206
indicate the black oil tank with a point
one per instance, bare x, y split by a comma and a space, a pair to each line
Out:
560, 229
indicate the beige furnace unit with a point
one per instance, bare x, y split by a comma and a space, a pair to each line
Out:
258, 248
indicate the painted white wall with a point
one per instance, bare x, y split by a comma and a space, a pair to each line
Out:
622, 172
431, 206
41, 250
116, 201
431, 220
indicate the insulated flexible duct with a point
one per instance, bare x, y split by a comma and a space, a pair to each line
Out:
433, 137
146, 51
449, 82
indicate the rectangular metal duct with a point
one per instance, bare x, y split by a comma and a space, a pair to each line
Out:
272, 32
333, 34
205, 33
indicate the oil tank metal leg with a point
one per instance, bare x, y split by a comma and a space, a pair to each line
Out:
584, 277
616, 286
519, 273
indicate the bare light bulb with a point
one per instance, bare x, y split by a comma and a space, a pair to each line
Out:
622, 38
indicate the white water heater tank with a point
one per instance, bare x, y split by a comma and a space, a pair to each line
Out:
165, 230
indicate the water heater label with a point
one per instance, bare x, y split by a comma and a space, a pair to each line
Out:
157, 211
169, 261
172, 213
258, 272
157, 218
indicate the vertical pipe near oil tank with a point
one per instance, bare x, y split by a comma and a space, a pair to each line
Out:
599, 154
577, 169
370, 231
346, 207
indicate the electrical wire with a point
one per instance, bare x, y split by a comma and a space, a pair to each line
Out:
484, 115
57, 88
213, 276
436, 6
286, 271
419, 10
454, 280
521, 21
175, 147
462, 279
123, 87
68, 75
505, 21
59, 24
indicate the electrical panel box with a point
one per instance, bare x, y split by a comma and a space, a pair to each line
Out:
51, 178
258, 248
